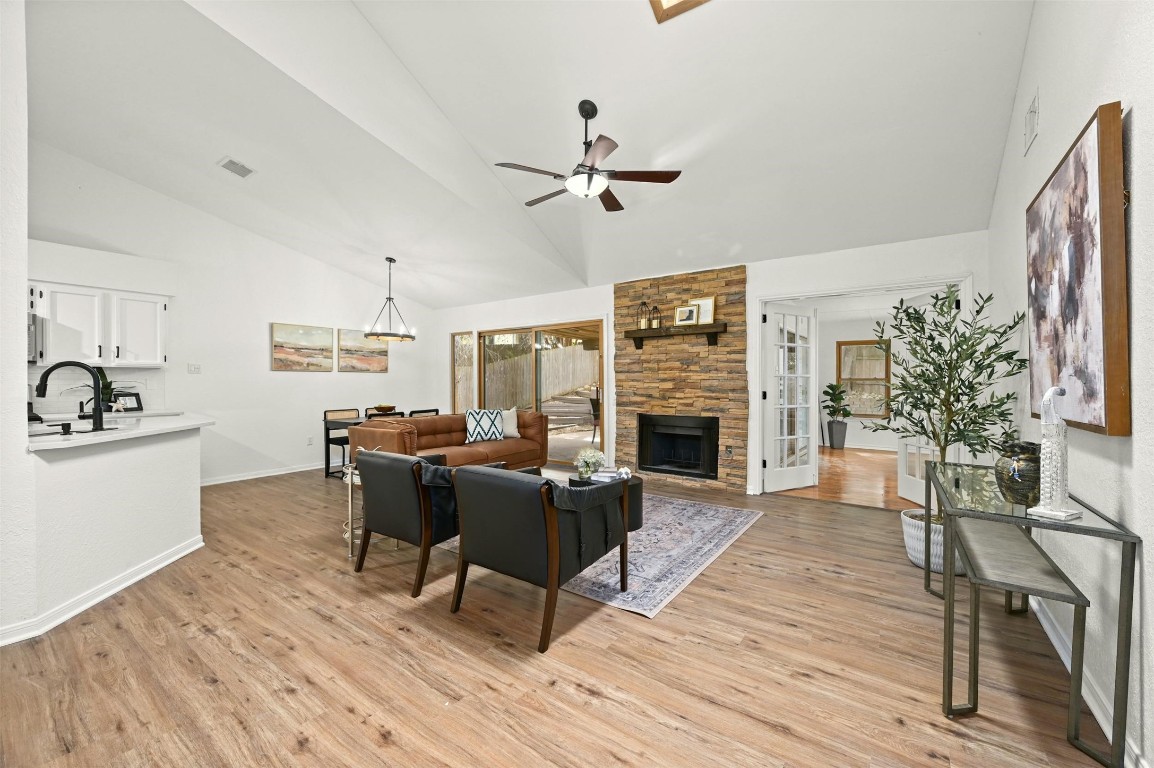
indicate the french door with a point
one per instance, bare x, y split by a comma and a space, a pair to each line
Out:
789, 413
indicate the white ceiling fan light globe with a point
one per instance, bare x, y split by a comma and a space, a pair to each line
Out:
586, 184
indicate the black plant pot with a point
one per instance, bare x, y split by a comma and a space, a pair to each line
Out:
837, 433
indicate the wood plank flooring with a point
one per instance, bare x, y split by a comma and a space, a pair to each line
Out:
855, 476
809, 642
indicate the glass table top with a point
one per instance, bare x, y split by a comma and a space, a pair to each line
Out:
972, 491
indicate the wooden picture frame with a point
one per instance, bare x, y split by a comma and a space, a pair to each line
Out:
1077, 294
686, 315
356, 354
705, 309
300, 347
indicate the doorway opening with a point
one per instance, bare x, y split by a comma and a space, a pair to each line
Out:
555, 369
835, 344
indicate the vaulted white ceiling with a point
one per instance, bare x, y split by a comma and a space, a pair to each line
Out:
374, 126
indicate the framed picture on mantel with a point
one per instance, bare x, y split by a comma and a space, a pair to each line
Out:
1076, 282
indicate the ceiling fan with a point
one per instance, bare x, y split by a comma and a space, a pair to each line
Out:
588, 179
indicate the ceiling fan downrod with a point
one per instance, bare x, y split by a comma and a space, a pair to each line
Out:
588, 111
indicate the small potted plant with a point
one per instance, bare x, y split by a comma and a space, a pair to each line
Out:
589, 460
833, 403
108, 389
943, 389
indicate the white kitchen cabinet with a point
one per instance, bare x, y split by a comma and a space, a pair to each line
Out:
73, 323
99, 326
138, 329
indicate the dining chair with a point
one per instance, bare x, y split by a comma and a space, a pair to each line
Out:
371, 412
341, 439
426, 412
535, 530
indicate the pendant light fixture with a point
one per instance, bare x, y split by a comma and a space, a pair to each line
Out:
374, 331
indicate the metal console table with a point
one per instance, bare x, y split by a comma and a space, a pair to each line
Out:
992, 537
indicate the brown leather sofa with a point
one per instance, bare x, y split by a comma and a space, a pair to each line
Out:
426, 435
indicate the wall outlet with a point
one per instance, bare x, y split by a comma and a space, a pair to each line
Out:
729, 451
308, 441
194, 367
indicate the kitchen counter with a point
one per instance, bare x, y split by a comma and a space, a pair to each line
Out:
127, 427
112, 507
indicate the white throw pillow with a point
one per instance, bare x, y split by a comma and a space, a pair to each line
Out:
483, 425
509, 423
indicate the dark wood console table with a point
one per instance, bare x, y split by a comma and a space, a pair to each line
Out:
993, 538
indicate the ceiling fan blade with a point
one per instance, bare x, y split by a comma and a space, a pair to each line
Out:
517, 167
655, 177
549, 196
601, 149
610, 201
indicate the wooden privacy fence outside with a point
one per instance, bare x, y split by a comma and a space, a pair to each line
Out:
508, 383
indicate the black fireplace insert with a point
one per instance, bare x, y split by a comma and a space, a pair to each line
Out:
678, 445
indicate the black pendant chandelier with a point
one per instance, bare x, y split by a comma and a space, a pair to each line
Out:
374, 331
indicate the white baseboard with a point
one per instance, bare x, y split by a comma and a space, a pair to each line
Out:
260, 473
38, 625
1101, 706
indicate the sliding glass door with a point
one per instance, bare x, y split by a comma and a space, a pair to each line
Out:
553, 369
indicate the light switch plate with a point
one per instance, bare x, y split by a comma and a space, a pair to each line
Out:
194, 367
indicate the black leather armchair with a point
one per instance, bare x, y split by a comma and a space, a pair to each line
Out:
534, 530
407, 498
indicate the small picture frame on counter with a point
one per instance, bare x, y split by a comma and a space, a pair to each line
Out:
128, 401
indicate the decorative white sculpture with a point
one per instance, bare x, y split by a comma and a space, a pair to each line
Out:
1054, 494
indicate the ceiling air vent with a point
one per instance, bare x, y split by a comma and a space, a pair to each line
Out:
232, 166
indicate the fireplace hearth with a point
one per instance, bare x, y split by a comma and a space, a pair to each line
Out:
678, 445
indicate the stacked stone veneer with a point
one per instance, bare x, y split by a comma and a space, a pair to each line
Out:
682, 375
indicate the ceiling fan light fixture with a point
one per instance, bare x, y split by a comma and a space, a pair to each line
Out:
375, 331
586, 184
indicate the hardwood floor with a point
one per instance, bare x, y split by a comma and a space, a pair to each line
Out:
809, 642
855, 476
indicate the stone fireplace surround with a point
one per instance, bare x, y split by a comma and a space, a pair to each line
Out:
682, 375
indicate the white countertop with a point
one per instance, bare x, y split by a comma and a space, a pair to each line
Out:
127, 426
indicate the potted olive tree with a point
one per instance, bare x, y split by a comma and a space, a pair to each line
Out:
944, 370
833, 403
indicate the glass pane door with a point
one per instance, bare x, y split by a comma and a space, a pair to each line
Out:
790, 403
508, 371
569, 388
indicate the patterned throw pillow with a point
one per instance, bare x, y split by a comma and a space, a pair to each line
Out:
483, 425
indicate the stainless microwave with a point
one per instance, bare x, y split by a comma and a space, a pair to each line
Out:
35, 345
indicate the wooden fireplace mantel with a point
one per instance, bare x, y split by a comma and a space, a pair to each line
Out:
639, 335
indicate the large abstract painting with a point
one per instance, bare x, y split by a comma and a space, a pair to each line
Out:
301, 347
356, 353
1075, 240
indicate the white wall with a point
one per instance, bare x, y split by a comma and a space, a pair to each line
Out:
547, 309
17, 486
931, 262
1079, 56
831, 330
231, 284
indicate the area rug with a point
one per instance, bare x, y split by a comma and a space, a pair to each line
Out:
678, 540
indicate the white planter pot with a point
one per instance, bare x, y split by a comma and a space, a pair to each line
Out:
914, 533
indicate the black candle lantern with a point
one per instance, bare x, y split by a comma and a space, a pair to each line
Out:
641, 315
654, 317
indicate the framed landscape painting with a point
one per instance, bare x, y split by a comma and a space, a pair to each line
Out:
1076, 281
356, 353
301, 347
